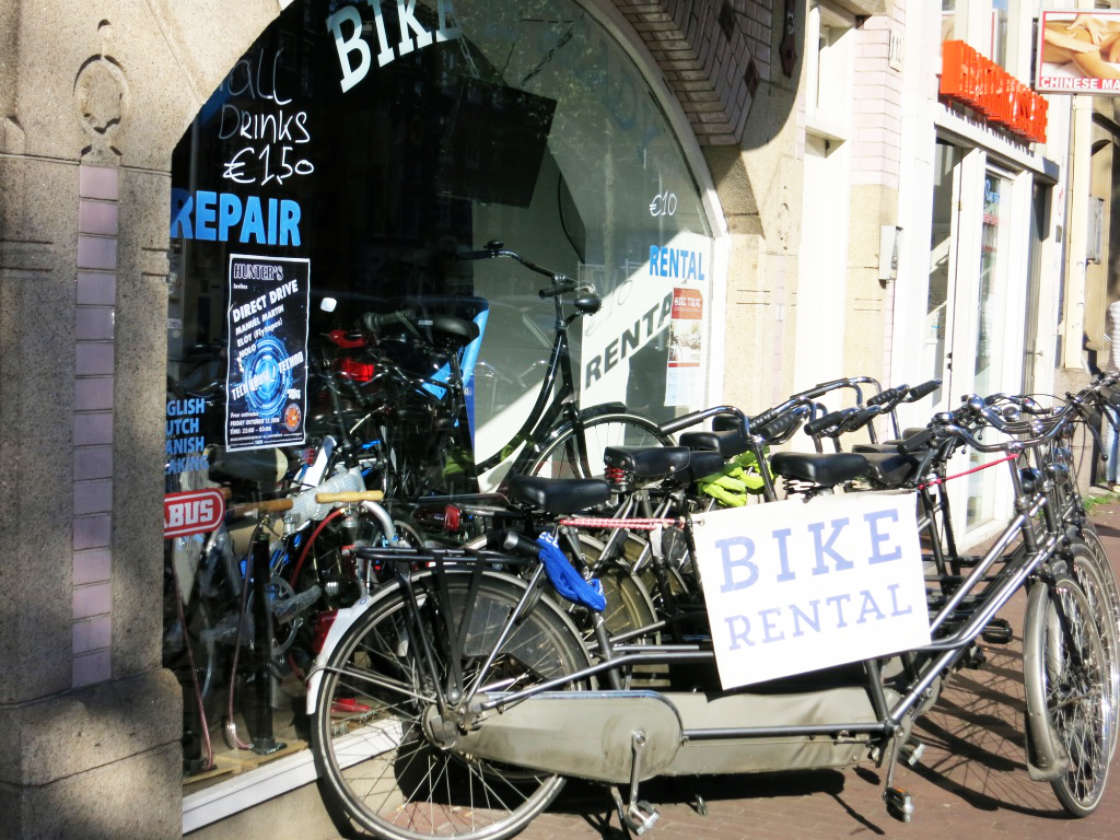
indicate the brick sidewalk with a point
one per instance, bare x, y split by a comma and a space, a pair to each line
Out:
972, 781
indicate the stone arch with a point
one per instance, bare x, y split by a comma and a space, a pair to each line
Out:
713, 58
87, 139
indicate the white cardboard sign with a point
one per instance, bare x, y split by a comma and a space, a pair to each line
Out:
794, 586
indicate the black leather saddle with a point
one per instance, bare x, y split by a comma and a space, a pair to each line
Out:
558, 495
824, 470
648, 462
890, 469
703, 464
453, 331
727, 443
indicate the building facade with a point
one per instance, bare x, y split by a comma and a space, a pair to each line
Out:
795, 164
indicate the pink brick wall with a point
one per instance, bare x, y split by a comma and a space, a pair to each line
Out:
713, 55
877, 97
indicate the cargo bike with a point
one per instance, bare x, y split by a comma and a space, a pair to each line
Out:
457, 695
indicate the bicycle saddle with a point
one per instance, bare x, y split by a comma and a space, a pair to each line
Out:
646, 462
824, 470
558, 495
727, 443
888, 445
455, 331
702, 464
890, 469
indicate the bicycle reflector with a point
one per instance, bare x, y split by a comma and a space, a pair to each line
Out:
322, 625
356, 371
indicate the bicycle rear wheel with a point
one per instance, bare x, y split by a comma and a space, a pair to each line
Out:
1092, 572
379, 761
572, 455
1065, 678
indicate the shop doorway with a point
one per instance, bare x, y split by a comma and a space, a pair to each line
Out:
970, 302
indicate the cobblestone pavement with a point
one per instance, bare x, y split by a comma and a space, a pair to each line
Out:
972, 781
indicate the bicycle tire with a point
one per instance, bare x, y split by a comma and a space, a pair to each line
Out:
559, 457
352, 714
1064, 682
1092, 539
1093, 572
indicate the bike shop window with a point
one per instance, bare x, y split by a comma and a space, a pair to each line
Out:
361, 149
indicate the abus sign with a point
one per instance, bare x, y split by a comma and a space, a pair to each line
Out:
192, 512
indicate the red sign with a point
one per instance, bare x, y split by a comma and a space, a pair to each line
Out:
192, 512
977, 81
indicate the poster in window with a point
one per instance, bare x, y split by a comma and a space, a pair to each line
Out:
683, 377
266, 378
1079, 52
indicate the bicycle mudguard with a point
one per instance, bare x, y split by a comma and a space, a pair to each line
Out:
349, 616
601, 409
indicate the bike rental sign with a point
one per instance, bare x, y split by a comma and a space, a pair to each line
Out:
796, 586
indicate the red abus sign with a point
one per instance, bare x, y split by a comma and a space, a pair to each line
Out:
977, 81
192, 512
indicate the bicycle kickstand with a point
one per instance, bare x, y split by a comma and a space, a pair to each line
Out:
899, 802
637, 814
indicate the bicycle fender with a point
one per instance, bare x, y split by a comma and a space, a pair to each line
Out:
343, 621
349, 616
601, 409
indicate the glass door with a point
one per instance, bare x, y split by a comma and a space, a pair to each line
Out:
937, 354
989, 297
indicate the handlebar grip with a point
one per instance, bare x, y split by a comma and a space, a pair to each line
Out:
858, 418
765, 417
916, 443
375, 322
782, 427
923, 390
270, 506
562, 286
512, 543
815, 427
349, 496
889, 395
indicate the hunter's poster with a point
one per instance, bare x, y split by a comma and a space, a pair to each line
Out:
266, 377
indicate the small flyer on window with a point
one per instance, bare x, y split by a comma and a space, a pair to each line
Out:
266, 378
685, 366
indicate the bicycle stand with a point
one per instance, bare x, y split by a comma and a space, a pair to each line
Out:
259, 715
899, 802
637, 815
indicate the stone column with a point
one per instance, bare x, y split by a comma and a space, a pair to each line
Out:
93, 98
89, 722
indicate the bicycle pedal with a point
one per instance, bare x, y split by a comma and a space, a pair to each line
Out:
900, 804
997, 632
973, 658
640, 816
911, 752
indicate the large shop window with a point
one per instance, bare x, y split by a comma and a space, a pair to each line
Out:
360, 152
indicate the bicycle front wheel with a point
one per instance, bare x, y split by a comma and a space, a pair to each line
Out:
1065, 678
379, 761
577, 451
1094, 574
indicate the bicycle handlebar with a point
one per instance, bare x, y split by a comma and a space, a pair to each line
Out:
891, 395
375, 322
512, 542
561, 284
923, 390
